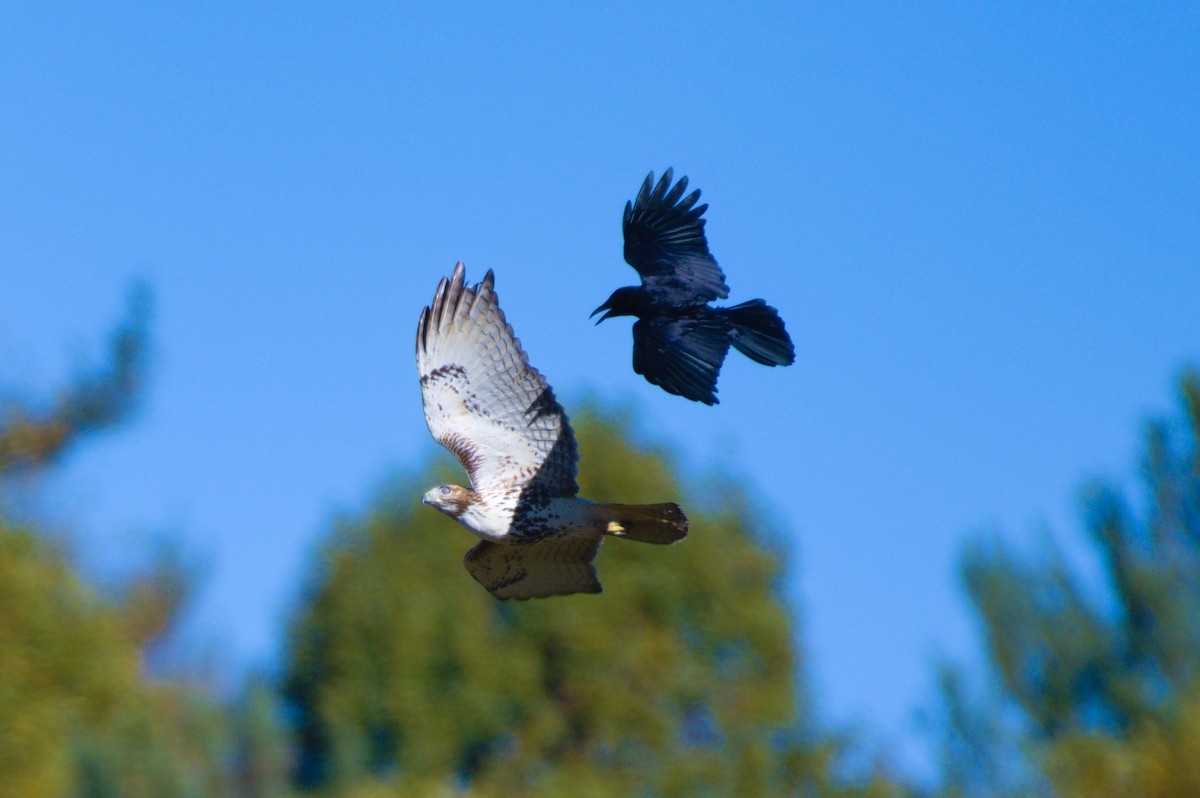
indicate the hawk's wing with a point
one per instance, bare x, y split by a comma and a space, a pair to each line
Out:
664, 241
483, 401
555, 567
682, 355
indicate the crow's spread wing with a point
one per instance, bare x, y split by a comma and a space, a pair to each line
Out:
483, 401
664, 241
682, 355
555, 567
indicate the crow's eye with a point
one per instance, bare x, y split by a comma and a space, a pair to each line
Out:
445, 491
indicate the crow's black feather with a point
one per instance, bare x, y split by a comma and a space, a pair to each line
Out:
683, 355
664, 242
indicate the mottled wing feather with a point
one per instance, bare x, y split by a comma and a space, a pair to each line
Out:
682, 355
665, 243
483, 401
555, 567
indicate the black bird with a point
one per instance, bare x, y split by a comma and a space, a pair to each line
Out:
679, 341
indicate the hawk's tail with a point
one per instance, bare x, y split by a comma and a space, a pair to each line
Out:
759, 334
648, 523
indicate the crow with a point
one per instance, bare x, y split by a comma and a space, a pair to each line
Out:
679, 341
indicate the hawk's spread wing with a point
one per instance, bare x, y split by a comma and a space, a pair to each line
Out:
555, 567
483, 401
664, 241
682, 355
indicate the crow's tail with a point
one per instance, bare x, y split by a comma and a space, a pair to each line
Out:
758, 333
648, 523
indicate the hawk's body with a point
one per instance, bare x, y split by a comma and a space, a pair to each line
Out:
496, 413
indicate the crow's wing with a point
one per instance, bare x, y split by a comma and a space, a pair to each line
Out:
556, 567
682, 355
483, 401
664, 241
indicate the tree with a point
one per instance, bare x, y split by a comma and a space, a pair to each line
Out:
77, 716
406, 678
1107, 690
62, 666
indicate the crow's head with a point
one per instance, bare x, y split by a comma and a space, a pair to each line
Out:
628, 301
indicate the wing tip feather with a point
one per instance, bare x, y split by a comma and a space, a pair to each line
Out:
455, 300
644, 191
423, 331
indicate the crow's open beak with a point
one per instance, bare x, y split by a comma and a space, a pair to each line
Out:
605, 306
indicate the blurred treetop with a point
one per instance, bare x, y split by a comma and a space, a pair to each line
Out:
1104, 690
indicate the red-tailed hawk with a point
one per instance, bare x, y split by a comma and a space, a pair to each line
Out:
495, 412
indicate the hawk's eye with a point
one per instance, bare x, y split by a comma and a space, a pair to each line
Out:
445, 490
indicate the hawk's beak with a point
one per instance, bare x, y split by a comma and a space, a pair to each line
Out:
425, 499
605, 306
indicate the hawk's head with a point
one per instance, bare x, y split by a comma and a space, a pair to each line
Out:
450, 499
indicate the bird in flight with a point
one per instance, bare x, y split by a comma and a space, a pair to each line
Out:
498, 416
679, 341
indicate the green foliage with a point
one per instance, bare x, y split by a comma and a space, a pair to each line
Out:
262, 764
679, 680
1158, 757
63, 665
1107, 691
80, 719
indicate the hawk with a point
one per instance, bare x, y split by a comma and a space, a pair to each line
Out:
498, 416
679, 341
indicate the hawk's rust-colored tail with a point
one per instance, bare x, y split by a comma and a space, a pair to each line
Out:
648, 523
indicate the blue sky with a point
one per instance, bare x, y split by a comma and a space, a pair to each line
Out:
981, 223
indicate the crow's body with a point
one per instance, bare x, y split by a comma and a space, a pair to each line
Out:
679, 340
